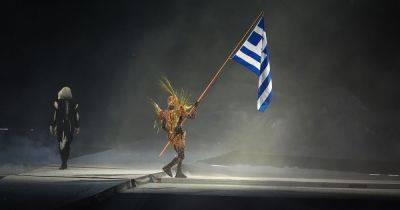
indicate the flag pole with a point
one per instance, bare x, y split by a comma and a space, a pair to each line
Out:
217, 74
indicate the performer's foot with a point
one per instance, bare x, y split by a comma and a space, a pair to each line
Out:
63, 166
180, 175
167, 170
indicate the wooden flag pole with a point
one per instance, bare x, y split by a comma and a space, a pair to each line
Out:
217, 74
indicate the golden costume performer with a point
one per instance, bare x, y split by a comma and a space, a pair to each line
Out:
171, 119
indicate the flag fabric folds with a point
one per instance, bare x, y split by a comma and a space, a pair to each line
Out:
254, 55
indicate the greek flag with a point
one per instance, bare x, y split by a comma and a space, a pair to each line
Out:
254, 55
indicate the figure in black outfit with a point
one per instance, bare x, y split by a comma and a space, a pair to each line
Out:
65, 123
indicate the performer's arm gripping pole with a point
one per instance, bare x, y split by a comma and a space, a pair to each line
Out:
217, 74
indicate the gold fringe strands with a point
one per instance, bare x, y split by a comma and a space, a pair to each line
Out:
182, 99
157, 110
182, 96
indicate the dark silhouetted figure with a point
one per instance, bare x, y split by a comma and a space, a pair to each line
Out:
64, 123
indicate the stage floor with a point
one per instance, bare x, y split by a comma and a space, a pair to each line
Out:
266, 187
125, 180
48, 187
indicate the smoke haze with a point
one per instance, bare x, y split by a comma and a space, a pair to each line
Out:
334, 68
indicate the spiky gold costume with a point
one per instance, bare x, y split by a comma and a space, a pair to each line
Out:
170, 120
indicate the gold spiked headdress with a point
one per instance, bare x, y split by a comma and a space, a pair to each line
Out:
180, 99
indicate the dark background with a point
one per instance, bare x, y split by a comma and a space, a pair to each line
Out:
335, 68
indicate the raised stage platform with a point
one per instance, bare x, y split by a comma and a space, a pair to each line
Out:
115, 179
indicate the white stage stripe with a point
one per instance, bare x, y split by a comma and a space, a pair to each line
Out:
248, 59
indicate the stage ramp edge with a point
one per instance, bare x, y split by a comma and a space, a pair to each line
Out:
110, 192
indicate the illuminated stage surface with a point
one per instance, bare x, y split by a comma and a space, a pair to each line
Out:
125, 180
48, 187
270, 187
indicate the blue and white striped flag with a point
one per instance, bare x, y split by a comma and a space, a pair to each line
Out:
254, 55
